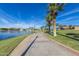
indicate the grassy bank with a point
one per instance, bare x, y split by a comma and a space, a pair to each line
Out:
6, 46
66, 40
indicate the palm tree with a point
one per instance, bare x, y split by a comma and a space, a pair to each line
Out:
53, 9
49, 19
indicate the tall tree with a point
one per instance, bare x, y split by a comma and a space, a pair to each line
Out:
49, 19
53, 9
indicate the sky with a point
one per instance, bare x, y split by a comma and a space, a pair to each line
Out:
69, 15
22, 15
29, 15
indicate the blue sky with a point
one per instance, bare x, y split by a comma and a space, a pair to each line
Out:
69, 15
22, 15
28, 15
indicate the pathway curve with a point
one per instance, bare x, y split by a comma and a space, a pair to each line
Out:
44, 47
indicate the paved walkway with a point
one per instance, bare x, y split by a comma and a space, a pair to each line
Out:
44, 47
23, 46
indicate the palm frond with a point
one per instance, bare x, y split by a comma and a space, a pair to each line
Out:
60, 7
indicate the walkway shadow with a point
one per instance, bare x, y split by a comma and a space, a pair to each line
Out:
29, 46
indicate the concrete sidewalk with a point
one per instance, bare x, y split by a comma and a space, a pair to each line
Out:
41, 46
21, 48
44, 47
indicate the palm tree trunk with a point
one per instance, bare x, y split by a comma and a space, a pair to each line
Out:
54, 22
54, 27
49, 29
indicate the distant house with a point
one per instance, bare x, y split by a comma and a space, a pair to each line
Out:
63, 28
76, 27
68, 28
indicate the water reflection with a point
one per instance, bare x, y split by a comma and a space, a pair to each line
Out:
9, 34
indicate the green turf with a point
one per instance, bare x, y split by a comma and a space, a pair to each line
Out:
68, 31
6, 46
65, 40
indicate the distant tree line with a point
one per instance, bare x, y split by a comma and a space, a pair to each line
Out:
6, 29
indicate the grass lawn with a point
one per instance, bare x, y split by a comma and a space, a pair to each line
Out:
6, 46
66, 40
68, 31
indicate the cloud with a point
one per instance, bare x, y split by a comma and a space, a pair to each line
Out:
6, 17
8, 21
68, 13
4, 21
68, 19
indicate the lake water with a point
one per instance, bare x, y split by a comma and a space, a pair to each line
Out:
6, 35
